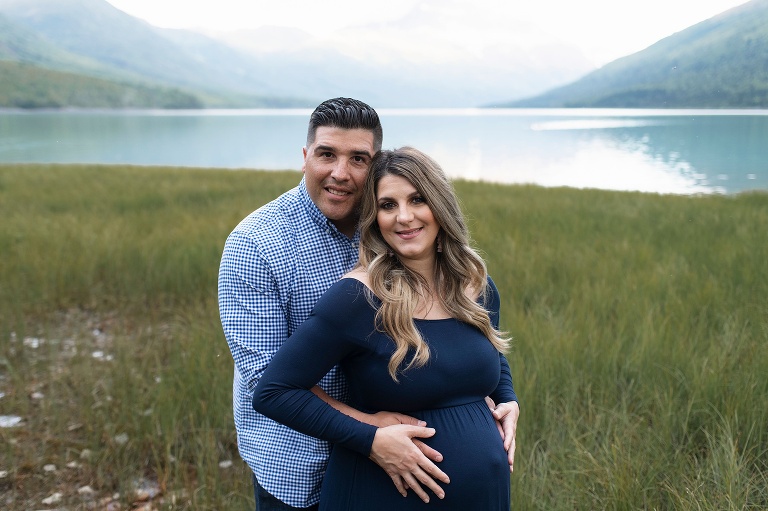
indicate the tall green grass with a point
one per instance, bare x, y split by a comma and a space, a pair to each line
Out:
640, 327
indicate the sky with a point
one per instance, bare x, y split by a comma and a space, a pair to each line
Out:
603, 29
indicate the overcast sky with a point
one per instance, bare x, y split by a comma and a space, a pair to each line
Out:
604, 29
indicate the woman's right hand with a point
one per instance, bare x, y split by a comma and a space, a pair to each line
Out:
398, 451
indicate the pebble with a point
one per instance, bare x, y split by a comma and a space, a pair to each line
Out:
32, 342
53, 499
9, 421
49, 468
225, 464
85, 490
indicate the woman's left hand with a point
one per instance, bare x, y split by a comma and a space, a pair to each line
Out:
506, 415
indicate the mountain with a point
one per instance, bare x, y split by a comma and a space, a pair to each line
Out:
113, 45
27, 86
285, 67
436, 55
719, 63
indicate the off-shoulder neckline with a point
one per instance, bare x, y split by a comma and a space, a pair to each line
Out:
361, 283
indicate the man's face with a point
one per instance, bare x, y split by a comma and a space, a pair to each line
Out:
335, 166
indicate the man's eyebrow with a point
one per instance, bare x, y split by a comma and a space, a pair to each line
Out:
327, 148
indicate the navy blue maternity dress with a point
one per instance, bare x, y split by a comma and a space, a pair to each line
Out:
448, 393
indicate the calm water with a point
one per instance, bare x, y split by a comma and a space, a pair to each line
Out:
666, 151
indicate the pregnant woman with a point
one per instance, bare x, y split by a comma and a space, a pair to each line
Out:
414, 328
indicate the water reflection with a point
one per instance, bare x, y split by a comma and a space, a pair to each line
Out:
674, 151
683, 152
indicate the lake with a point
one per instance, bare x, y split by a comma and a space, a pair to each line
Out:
663, 151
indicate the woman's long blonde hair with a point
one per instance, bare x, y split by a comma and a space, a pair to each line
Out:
458, 267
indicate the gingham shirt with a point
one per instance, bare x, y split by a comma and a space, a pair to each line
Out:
276, 264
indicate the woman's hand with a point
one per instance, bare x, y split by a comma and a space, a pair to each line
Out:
396, 450
506, 415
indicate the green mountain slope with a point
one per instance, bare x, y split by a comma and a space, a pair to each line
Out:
28, 86
92, 37
719, 63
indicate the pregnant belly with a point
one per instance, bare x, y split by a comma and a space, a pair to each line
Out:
473, 457
471, 445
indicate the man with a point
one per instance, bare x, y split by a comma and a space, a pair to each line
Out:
275, 265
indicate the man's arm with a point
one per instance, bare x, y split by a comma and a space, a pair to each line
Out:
251, 314
379, 419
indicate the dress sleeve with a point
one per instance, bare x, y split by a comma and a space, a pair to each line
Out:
505, 390
283, 394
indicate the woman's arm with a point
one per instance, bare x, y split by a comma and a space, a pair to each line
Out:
285, 395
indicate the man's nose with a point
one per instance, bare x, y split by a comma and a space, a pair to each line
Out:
340, 170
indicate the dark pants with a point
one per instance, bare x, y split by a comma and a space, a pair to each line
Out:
267, 502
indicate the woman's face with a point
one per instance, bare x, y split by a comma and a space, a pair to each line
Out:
405, 220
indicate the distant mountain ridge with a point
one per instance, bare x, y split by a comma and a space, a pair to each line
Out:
722, 62
27, 86
719, 63
283, 67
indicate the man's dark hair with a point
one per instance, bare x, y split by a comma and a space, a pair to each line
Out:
348, 114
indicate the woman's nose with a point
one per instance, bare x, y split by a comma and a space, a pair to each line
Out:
404, 215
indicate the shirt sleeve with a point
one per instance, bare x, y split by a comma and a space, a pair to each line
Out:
505, 391
322, 341
252, 314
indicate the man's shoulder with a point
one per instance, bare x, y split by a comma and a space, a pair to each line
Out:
283, 215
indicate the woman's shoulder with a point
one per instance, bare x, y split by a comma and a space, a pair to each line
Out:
360, 275
345, 307
348, 292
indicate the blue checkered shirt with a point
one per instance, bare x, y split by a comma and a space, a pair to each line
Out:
276, 264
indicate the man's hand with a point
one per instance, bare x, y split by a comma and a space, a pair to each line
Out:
396, 450
506, 415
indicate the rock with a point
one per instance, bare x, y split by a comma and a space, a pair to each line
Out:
53, 499
85, 490
9, 421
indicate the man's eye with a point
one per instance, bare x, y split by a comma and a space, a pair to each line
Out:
326, 155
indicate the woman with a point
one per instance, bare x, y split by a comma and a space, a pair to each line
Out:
414, 328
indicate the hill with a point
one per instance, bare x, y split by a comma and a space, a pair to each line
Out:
283, 67
27, 86
718, 63
92, 38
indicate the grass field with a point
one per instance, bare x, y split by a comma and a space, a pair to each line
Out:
640, 352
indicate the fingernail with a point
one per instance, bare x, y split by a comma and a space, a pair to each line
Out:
422, 423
